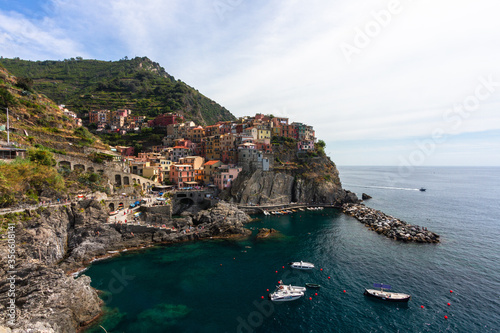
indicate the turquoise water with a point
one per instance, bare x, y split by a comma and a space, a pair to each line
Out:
216, 286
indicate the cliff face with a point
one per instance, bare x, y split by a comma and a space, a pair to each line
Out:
313, 181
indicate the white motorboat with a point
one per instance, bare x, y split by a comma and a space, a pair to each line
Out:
285, 295
301, 265
385, 295
289, 287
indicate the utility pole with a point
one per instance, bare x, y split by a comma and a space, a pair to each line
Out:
8, 134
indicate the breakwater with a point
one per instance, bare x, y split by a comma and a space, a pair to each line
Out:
389, 226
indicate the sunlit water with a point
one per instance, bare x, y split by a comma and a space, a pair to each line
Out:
217, 286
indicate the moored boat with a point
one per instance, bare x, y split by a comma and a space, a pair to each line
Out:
301, 265
313, 285
289, 287
385, 295
285, 295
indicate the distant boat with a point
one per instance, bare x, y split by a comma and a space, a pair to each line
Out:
422, 189
385, 295
301, 265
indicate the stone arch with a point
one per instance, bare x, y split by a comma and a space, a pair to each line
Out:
118, 180
79, 167
111, 206
65, 165
126, 180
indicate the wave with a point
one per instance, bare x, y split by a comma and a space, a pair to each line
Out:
384, 187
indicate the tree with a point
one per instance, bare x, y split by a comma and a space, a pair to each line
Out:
41, 156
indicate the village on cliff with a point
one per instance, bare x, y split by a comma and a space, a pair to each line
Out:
191, 155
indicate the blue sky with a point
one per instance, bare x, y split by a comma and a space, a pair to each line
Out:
383, 82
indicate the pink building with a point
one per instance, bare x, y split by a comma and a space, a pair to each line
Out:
225, 176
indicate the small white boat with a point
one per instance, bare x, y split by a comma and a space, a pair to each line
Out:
285, 295
289, 287
301, 265
385, 295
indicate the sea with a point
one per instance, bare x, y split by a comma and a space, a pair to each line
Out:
223, 285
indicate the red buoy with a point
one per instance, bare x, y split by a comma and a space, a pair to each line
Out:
321, 269
344, 290
310, 298
445, 317
262, 297
449, 304
315, 294
276, 271
328, 277
451, 291
283, 266
422, 306
267, 289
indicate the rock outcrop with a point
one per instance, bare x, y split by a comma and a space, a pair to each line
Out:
389, 226
365, 196
52, 242
282, 187
265, 233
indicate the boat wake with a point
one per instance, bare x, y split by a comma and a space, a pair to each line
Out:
384, 187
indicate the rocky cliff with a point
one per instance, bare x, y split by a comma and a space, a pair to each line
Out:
308, 180
51, 242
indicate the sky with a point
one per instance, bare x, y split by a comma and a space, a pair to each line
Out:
395, 82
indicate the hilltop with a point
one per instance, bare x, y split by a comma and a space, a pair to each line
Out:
138, 84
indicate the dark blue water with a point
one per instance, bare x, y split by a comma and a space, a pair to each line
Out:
216, 286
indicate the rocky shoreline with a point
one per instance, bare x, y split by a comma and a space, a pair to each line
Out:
389, 226
52, 243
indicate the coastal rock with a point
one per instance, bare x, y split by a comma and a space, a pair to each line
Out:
265, 233
275, 187
365, 196
47, 300
223, 219
388, 225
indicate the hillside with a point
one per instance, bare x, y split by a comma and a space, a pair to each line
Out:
138, 84
40, 127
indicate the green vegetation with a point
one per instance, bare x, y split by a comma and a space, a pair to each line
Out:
138, 84
24, 180
320, 147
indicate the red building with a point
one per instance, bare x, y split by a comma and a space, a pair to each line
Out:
166, 119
